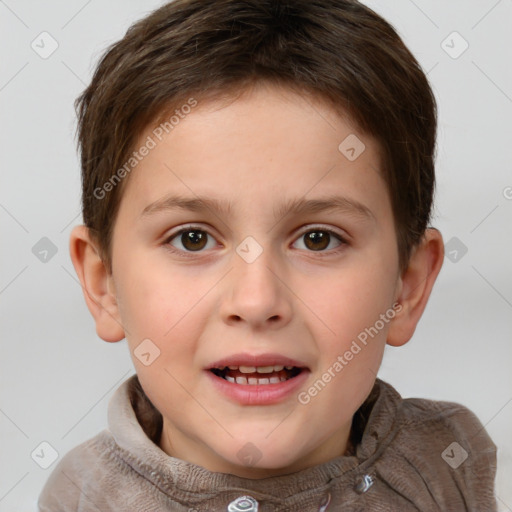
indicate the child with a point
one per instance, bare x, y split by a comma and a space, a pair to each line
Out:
293, 144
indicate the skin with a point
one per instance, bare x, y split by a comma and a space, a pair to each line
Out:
265, 148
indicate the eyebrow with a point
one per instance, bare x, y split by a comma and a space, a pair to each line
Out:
296, 206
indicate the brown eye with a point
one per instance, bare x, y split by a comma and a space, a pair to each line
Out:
194, 240
320, 240
191, 240
317, 240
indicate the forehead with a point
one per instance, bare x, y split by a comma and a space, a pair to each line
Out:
267, 147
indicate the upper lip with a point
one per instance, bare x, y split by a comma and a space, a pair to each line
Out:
256, 360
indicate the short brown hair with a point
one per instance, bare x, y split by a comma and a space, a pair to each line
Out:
339, 50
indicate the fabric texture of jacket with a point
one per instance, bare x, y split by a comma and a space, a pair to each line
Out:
409, 455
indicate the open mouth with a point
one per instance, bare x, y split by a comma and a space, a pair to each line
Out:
257, 375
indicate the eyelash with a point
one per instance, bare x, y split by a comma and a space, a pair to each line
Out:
322, 254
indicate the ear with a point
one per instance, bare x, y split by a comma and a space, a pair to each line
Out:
415, 285
97, 284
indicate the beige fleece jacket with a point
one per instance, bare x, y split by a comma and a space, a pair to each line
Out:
410, 455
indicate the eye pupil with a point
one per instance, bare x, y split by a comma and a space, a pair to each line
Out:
193, 240
317, 240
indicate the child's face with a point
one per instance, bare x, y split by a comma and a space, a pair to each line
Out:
212, 297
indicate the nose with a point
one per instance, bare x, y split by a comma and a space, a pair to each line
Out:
256, 292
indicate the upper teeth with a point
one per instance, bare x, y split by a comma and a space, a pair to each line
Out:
259, 369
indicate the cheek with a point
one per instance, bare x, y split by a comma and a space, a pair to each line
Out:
352, 300
153, 300
165, 306
352, 349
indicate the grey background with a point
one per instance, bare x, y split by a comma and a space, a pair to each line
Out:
56, 375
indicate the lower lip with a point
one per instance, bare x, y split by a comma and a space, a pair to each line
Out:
254, 394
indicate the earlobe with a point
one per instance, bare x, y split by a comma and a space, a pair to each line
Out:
97, 284
415, 286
